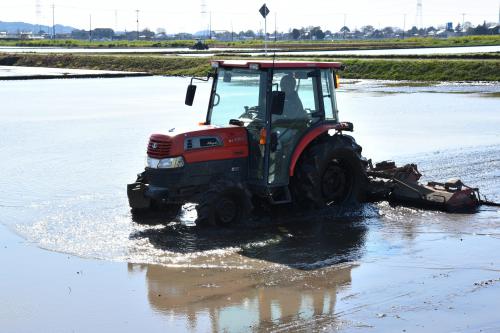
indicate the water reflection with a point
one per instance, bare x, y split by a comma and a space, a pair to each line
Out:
240, 300
298, 264
306, 241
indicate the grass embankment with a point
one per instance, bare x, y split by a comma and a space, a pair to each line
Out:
386, 69
413, 42
158, 65
423, 70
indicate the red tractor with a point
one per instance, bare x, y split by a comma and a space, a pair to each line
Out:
272, 134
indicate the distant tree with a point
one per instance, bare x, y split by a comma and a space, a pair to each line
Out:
79, 34
413, 31
377, 34
317, 33
147, 34
103, 33
388, 31
249, 33
367, 29
458, 28
295, 33
345, 29
357, 33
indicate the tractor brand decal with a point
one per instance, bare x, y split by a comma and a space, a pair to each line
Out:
238, 139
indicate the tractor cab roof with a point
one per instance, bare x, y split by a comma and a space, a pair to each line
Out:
257, 64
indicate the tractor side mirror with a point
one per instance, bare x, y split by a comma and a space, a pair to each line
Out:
277, 102
191, 91
227, 77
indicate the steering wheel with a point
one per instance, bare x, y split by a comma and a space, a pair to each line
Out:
299, 123
251, 112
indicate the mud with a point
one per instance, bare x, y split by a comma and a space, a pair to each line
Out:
74, 260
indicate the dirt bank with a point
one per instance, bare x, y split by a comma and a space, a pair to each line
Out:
463, 69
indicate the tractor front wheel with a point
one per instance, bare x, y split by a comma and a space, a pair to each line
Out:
156, 210
224, 204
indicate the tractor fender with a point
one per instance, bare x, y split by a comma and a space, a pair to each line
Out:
305, 141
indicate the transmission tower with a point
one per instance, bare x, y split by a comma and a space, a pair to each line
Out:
420, 17
204, 16
38, 12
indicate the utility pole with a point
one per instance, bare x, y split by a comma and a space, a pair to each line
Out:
116, 20
137, 21
463, 21
264, 11
265, 33
404, 25
53, 22
90, 28
275, 28
210, 24
38, 11
343, 27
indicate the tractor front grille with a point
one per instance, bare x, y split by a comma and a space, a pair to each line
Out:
159, 148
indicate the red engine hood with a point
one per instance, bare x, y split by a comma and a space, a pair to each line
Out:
234, 143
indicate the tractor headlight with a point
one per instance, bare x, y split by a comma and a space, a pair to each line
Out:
165, 163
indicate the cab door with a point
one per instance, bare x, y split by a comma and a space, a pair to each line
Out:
302, 109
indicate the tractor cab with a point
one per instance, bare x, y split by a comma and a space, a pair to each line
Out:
271, 132
277, 103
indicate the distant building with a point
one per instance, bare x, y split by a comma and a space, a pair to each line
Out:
494, 30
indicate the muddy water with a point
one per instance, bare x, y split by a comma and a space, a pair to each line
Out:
68, 147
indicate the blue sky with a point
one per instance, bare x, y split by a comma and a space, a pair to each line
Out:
178, 16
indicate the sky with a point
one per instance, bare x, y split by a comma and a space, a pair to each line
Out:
186, 16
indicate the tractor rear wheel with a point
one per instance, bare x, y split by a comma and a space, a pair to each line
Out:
330, 172
224, 204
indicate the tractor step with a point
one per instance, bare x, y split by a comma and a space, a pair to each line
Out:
279, 195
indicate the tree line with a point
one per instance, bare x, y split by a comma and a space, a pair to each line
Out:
303, 33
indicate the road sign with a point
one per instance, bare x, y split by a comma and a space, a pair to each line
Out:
264, 10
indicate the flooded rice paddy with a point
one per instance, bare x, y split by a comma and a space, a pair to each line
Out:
68, 147
253, 51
